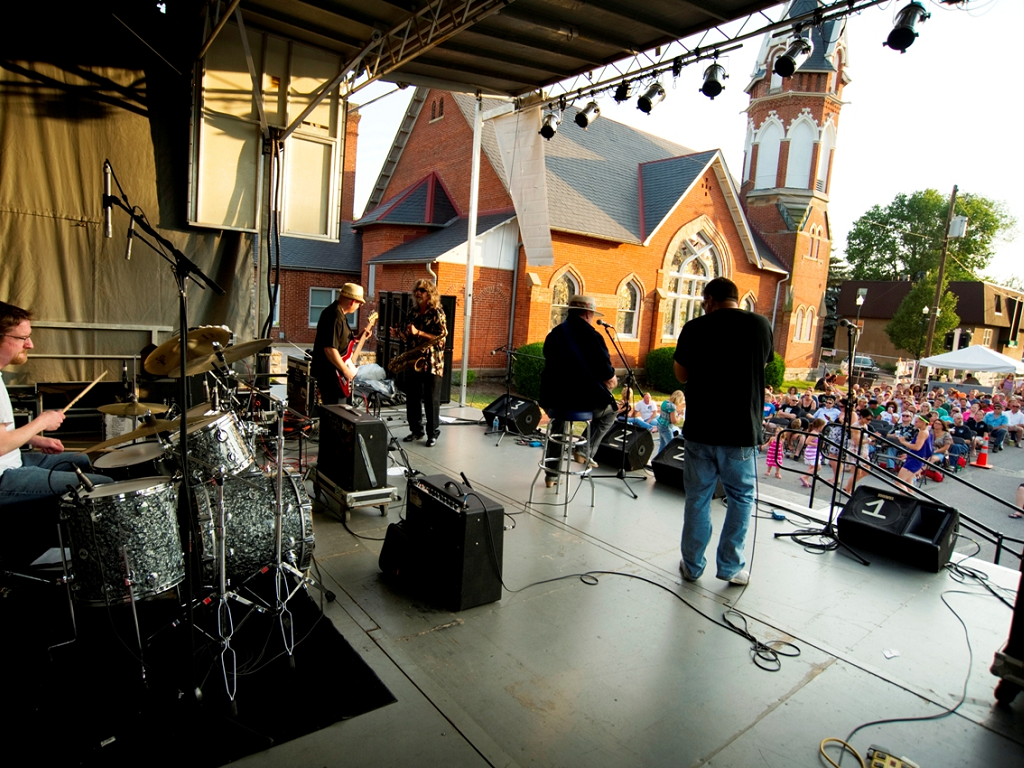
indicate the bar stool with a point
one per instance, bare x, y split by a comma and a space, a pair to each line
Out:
562, 464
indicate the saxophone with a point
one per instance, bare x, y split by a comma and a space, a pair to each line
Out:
414, 357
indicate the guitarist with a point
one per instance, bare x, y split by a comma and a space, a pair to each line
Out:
332, 341
578, 374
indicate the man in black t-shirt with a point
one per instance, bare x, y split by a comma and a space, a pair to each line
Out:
332, 339
721, 357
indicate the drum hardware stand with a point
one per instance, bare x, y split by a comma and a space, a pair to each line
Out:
829, 530
184, 269
630, 382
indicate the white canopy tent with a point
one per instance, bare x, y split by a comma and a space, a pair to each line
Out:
976, 358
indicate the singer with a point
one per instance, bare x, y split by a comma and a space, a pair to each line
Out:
578, 374
47, 471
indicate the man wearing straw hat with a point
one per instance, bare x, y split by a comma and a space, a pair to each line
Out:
332, 338
46, 471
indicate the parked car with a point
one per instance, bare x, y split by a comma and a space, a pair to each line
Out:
862, 366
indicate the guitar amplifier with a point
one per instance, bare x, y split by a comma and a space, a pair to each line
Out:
353, 448
453, 544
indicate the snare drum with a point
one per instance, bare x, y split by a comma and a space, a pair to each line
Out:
136, 461
214, 442
249, 506
134, 521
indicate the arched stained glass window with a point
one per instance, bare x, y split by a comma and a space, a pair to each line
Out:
563, 288
695, 263
629, 310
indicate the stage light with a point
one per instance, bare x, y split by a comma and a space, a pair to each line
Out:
550, 123
713, 77
623, 91
793, 58
654, 95
903, 34
588, 115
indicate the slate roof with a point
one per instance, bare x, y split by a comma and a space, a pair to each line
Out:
425, 203
320, 256
663, 183
881, 301
427, 249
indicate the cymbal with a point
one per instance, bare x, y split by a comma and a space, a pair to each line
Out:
132, 408
231, 354
157, 425
129, 455
167, 356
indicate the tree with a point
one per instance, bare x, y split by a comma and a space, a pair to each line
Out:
908, 328
905, 237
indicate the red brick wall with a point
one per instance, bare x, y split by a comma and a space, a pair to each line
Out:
445, 145
294, 303
348, 182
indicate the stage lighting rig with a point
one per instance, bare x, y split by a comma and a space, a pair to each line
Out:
549, 124
623, 91
713, 77
588, 115
654, 95
903, 34
793, 58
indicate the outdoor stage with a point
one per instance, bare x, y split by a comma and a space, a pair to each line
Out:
622, 673
638, 671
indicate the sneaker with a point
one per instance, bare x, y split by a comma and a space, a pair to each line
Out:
432, 441
740, 579
686, 573
412, 436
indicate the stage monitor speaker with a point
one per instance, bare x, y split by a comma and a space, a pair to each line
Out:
300, 387
449, 548
523, 414
353, 448
913, 531
639, 445
668, 467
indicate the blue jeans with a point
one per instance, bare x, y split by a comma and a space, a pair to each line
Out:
637, 423
43, 475
704, 466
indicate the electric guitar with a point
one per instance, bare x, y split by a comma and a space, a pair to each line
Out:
354, 348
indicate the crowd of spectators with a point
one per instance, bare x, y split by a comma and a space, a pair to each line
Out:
948, 427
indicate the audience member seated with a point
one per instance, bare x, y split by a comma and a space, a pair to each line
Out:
1015, 422
996, 422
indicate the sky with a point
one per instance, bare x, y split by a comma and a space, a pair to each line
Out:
933, 117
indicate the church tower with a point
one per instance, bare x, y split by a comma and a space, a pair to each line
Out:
787, 168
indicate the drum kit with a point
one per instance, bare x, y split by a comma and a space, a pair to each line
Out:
239, 519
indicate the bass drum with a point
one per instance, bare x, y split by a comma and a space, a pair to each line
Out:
124, 533
249, 506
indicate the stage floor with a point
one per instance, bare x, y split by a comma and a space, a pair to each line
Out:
623, 673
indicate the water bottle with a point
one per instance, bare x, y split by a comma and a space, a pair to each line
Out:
495, 424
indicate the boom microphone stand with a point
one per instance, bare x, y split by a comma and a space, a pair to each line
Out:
629, 429
829, 530
506, 417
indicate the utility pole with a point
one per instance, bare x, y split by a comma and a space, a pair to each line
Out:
942, 270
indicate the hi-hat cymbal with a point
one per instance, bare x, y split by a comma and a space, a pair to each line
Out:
151, 428
167, 356
231, 354
132, 408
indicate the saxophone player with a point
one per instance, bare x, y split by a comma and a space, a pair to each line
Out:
425, 330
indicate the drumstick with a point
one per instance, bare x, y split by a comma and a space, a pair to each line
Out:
82, 393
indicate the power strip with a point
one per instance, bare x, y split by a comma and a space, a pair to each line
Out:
879, 757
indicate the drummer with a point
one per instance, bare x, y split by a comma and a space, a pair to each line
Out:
47, 471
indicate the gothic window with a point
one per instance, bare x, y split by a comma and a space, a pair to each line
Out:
768, 156
629, 310
808, 330
563, 288
748, 151
828, 143
776, 81
695, 263
801, 148
798, 325
440, 107
749, 305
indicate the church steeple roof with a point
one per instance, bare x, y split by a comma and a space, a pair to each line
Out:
825, 39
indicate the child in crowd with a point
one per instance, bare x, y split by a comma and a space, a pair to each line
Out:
811, 450
672, 413
773, 453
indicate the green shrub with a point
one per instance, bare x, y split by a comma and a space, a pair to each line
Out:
526, 369
775, 372
660, 371
457, 377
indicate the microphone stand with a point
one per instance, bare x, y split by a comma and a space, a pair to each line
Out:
183, 268
506, 418
829, 529
628, 429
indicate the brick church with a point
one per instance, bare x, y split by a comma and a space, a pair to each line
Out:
638, 222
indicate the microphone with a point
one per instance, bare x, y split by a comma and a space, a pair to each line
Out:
844, 323
131, 236
606, 325
108, 225
85, 481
